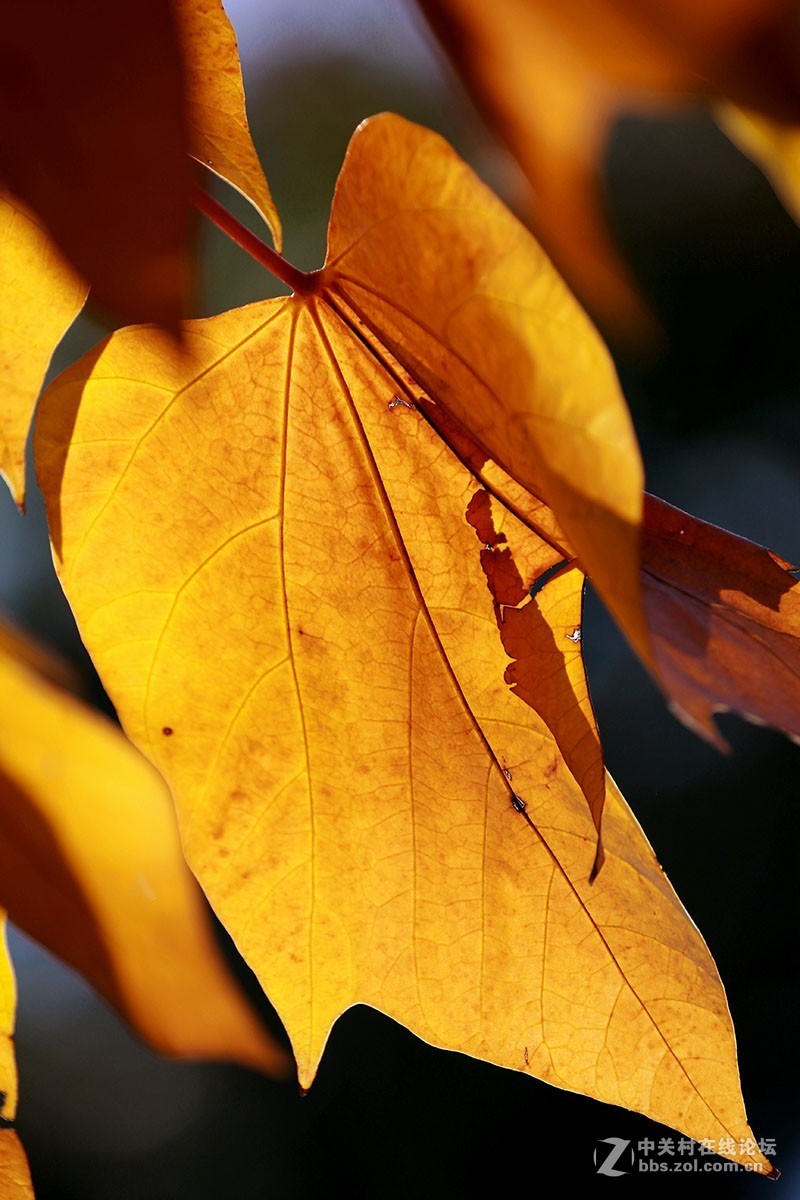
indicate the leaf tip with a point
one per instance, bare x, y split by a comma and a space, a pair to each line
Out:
704, 728
14, 479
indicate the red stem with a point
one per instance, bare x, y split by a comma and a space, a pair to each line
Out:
299, 281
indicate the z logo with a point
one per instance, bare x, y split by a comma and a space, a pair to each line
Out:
608, 1164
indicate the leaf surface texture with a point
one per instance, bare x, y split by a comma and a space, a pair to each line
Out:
306, 602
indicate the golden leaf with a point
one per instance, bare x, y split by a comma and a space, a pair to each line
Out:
273, 558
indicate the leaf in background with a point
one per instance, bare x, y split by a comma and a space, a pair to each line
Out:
91, 866
15, 1180
273, 558
40, 296
724, 618
94, 140
219, 134
553, 75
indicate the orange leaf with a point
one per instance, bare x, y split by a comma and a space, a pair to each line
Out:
553, 75
15, 1180
91, 866
273, 557
538, 603
724, 616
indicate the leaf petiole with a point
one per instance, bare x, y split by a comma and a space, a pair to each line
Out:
301, 282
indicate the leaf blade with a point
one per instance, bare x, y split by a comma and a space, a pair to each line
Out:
315, 632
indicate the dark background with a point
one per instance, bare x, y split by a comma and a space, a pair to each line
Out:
717, 416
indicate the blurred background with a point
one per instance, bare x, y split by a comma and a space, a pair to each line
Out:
717, 417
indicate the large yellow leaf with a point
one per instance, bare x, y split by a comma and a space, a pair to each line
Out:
40, 296
285, 577
15, 1180
91, 866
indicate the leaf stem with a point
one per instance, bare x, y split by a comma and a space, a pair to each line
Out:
300, 282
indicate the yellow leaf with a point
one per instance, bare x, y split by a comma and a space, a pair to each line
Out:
218, 130
91, 866
15, 1180
40, 297
273, 558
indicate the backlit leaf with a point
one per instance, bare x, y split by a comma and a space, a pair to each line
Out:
15, 1180
496, 339
300, 599
91, 866
40, 296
